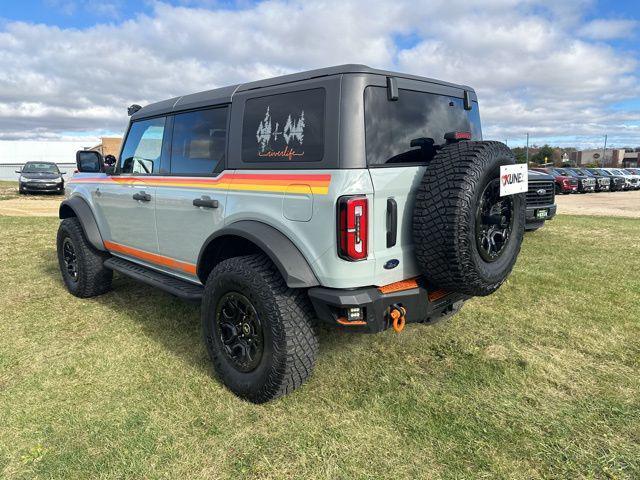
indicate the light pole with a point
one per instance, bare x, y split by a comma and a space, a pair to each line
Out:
604, 149
527, 149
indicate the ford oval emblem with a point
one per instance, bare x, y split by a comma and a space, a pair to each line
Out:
542, 191
393, 263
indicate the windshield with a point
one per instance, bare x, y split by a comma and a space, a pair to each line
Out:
412, 128
40, 168
566, 173
618, 172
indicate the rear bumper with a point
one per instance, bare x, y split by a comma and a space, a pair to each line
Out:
422, 306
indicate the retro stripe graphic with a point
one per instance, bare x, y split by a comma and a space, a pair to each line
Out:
276, 183
155, 258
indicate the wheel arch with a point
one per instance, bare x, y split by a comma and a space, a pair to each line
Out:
250, 236
79, 208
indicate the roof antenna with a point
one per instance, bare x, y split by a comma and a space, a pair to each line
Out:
133, 109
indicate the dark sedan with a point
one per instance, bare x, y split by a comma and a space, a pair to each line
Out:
40, 177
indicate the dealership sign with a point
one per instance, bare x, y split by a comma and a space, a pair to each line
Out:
513, 179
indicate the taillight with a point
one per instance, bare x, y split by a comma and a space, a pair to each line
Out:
457, 136
352, 227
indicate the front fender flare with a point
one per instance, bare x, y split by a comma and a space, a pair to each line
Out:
288, 259
78, 207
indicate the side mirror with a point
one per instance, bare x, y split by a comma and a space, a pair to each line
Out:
63, 173
89, 161
18, 171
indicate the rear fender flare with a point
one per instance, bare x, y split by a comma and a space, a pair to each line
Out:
288, 259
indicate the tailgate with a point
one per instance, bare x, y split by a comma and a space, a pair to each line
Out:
398, 184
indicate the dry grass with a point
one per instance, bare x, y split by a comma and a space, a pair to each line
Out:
604, 204
30, 205
540, 380
8, 190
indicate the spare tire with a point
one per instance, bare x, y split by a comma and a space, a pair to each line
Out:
467, 238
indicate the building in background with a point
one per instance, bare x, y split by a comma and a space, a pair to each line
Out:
108, 146
613, 157
630, 158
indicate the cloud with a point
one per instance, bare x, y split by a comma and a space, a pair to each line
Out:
602, 29
530, 72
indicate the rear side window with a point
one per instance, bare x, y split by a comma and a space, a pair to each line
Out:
412, 128
199, 141
288, 127
143, 148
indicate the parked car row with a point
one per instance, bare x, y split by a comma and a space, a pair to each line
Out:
585, 180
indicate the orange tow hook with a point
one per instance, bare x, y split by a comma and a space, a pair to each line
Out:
397, 314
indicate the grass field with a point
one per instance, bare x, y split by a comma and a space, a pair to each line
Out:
8, 190
540, 380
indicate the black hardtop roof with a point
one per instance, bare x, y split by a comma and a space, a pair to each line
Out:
225, 94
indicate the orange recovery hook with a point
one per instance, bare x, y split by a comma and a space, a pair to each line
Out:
397, 314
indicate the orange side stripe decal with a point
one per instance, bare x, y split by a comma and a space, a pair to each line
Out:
277, 183
189, 268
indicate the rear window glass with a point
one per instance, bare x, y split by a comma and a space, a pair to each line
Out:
199, 141
417, 118
288, 127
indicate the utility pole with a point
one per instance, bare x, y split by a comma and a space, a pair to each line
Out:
604, 149
527, 149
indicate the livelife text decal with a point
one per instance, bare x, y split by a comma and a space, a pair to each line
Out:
292, 134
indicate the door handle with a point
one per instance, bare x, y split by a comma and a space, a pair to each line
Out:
205, 202
141, 196
392, 222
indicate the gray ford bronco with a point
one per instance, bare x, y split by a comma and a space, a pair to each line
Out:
354, 197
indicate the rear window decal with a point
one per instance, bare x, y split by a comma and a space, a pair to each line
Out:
293, 131
286, 128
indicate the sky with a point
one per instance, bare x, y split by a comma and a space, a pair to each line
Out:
565, 71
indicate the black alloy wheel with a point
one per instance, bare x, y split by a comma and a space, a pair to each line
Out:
239, 329
494, 222
70, 259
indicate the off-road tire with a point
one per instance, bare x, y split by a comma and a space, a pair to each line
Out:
290, 340
444, 225
93, 277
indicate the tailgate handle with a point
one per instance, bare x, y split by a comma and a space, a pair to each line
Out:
392, 222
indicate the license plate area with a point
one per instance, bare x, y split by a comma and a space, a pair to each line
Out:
542, 213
